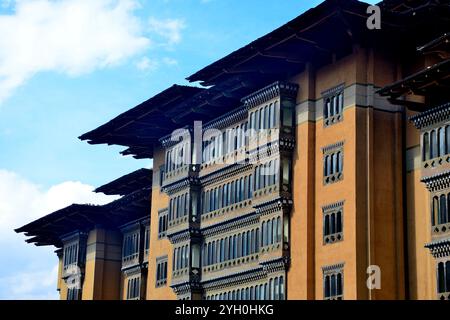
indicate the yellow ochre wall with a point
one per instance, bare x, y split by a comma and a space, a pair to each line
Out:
158, 247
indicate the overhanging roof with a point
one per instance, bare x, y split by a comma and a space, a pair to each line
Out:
141, 126
49, 229
312, 37
425, 82
129, 183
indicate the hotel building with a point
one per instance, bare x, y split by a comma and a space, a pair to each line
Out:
312, 163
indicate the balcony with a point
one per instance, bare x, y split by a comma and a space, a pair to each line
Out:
266, 194
178, 224
229, 267
180, 173
226, 213
130, 261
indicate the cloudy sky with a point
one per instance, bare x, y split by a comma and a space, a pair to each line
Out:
67, 66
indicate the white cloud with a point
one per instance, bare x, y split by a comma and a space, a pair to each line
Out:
146, 64
74, 37
29, 285
21, 202
168, 29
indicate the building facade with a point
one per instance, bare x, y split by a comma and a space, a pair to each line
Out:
309, 164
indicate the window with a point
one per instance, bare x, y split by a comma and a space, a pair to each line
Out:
179, 206
161, 175
130, 251
333, 105
435, 143
147, 240
161, 271
333, 163
332, 223
267, 174
133, 288
333, 282
70, 254
73, 294
440, 213
163, 217
180, 258
443, 280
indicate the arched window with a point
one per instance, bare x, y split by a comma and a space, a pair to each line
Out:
340, 102
333, 285
252, 242
235, 245
232, 191
441, 278
339, 221
266, 117
257, 240
339, 284
272, 116
239, 245
225, 195
327, 287
274, 230
242, 190
174, 259
263, 116
257, 178
222, 250
447, 139
263, 234
220, 202
245, 189
276, 288
244, 244
426, 147
249, 243
279, 229
257, 120
271, 293
434, 144
442, 144
447, 276
251, 188
435, 211
238, 191
209, 260
226, 248
269, 232
442, 209
333, 223
281, 294
252, 121
326, 109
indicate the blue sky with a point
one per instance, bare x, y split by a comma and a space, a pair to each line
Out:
67, 66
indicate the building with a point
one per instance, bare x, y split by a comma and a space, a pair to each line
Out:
309, 161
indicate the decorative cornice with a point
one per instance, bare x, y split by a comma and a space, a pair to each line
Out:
180, 185
439, 248
431, 116
275, 265
221, 174
438, 181
269, 92
333, 91
333, 268
235, 279
232, 224
228, 119
333, 147
183, 235
271, 206
333, 206
167, 142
